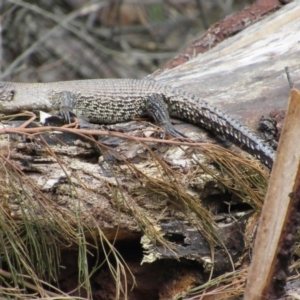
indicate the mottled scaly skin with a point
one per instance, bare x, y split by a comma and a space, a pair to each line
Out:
120, 100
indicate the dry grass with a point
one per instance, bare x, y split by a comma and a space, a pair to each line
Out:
45, 228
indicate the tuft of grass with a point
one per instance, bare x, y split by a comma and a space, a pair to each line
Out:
32, 239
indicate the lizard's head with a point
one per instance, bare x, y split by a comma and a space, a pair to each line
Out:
14, 97
6, 92
17, 96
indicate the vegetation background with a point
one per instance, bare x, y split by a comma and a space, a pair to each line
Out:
44, 40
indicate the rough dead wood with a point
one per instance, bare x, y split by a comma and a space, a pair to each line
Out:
244, 75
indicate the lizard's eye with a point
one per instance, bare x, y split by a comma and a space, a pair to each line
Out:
12, 93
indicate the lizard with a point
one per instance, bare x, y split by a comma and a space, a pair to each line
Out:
119, 100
